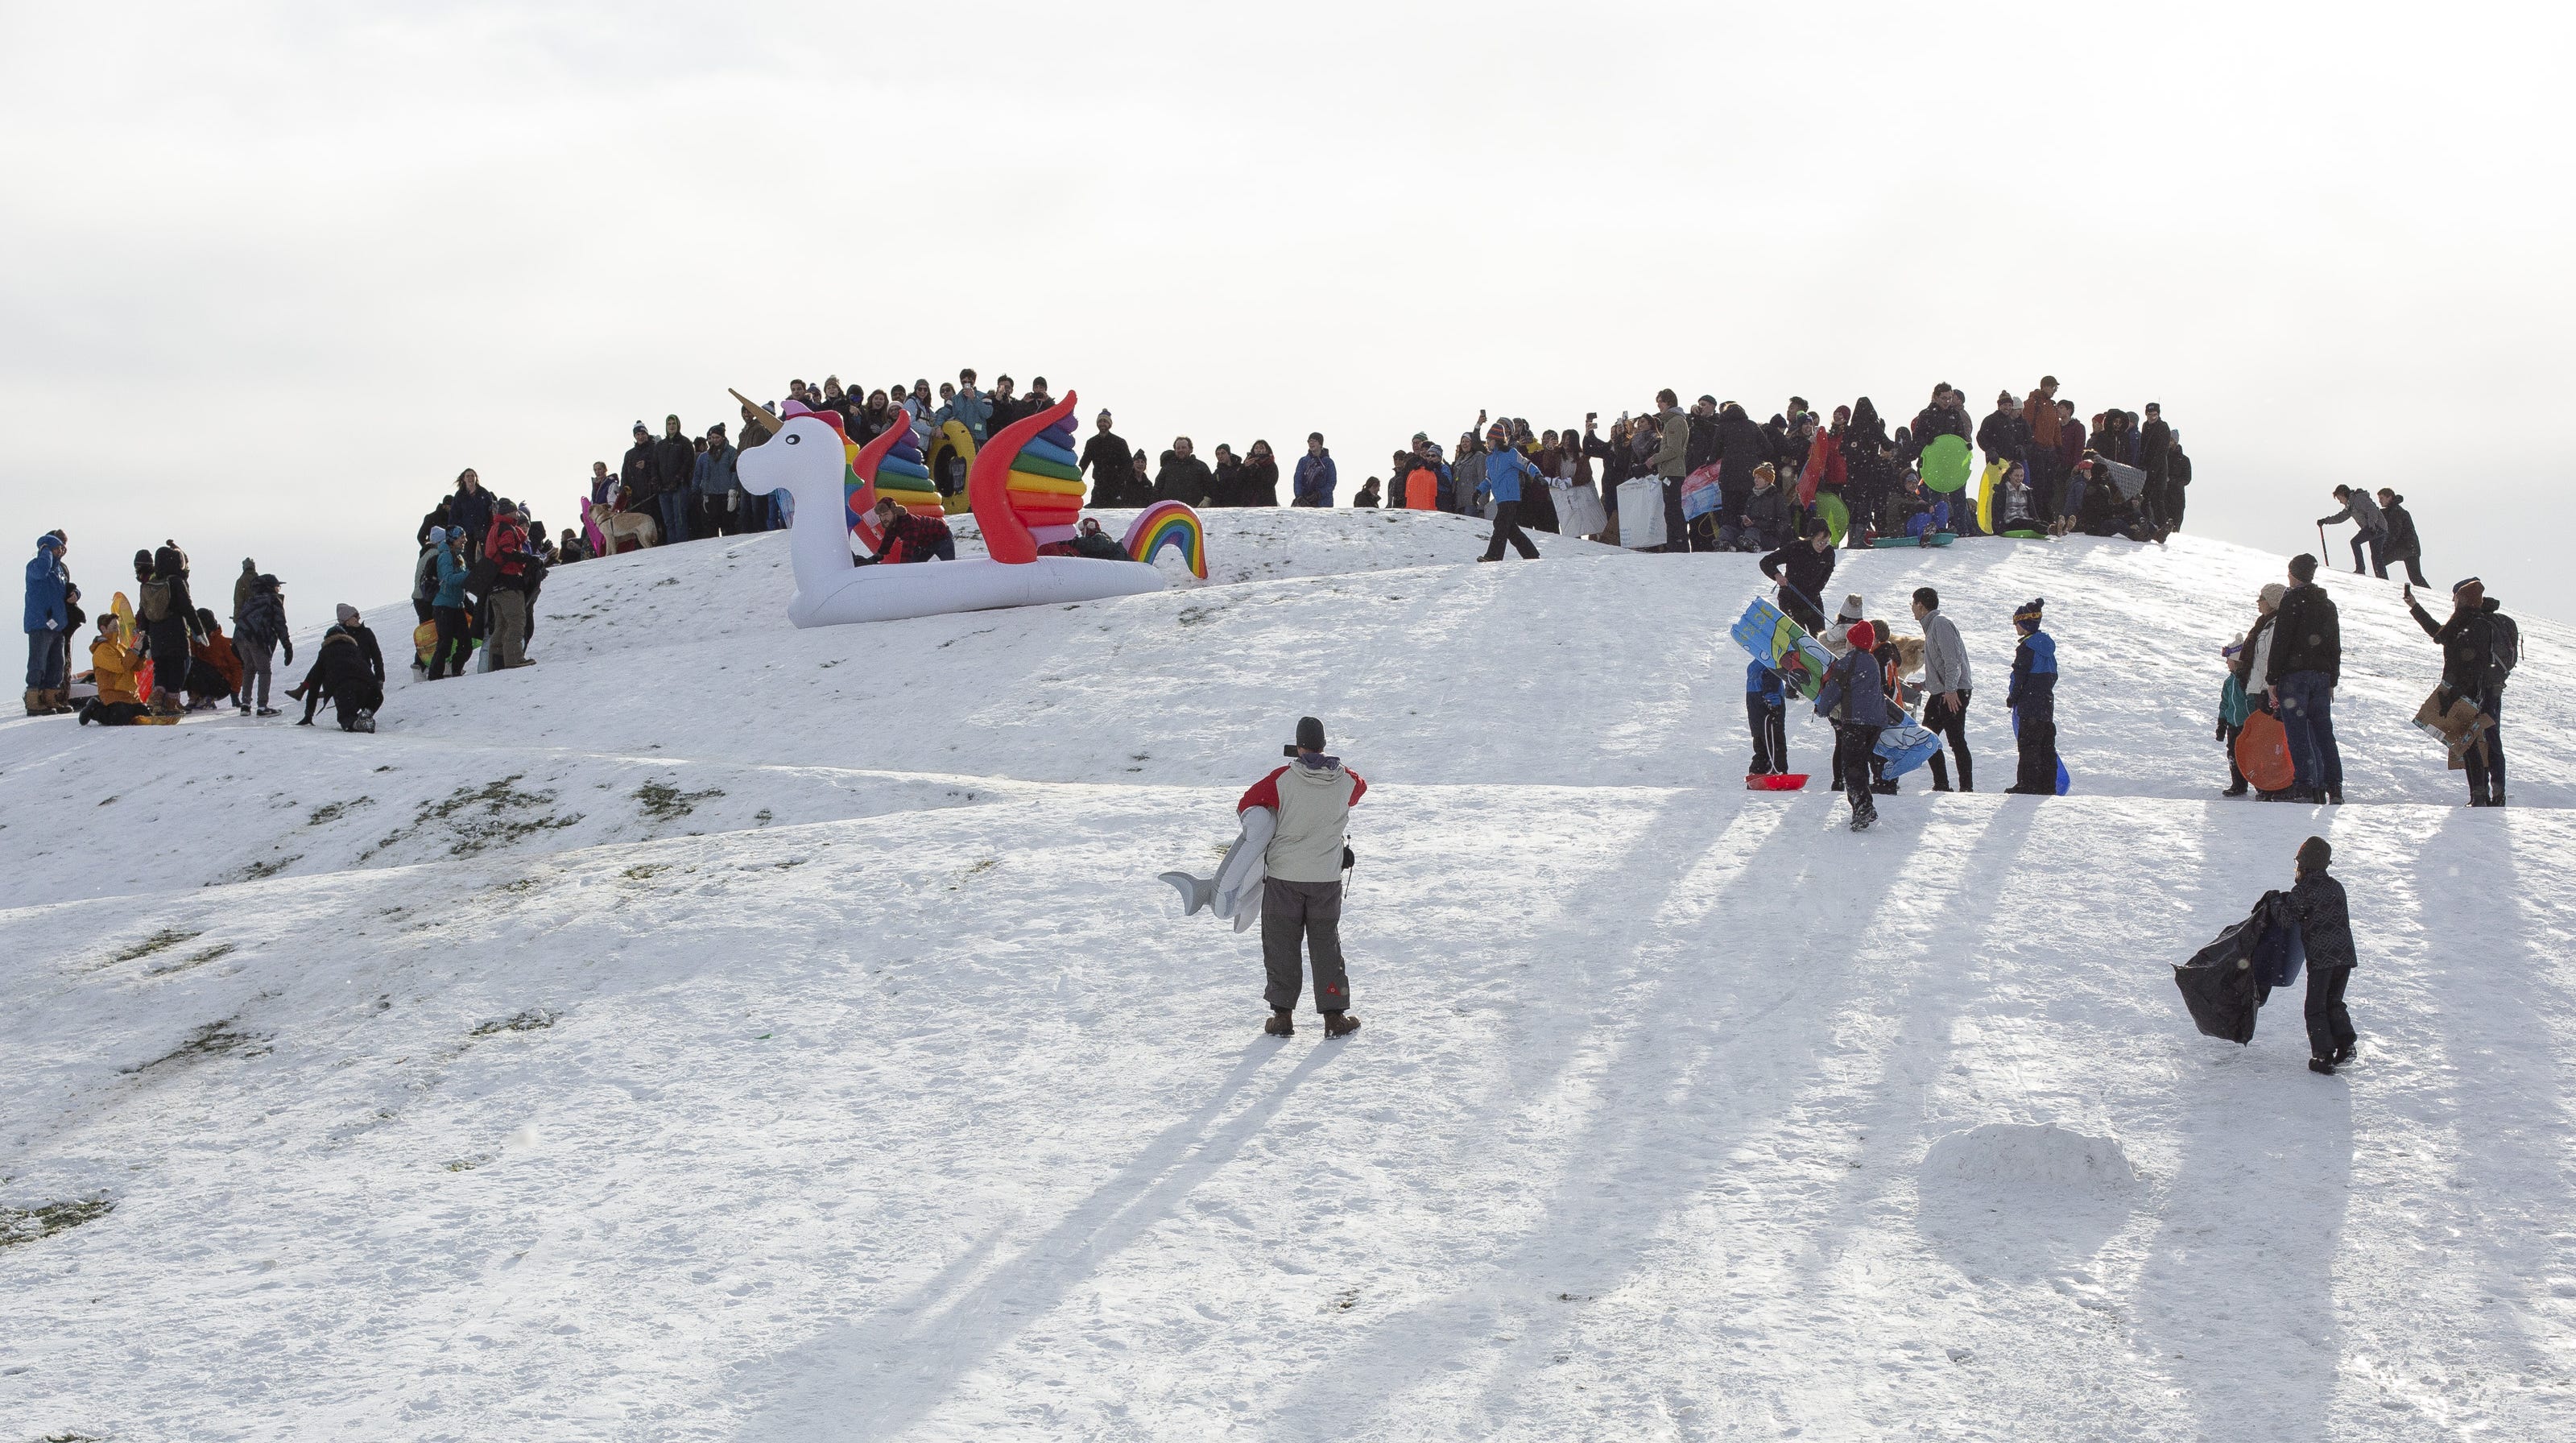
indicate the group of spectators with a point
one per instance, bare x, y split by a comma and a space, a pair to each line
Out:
1729, 483
164, 655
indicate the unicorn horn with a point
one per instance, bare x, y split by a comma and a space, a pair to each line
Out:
751, 405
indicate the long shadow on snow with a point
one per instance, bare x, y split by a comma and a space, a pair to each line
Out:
2236, 1299
2512, 1121
1618, 1181
875, 1376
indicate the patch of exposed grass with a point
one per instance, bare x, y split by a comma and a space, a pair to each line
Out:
535, 1019
161, 941
330, 812
26, 1225
645, 871
468, 1164
212, 1040
253, 871
198, 959
477, 819
665, 803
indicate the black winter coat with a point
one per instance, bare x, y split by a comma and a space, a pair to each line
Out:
636, 477
2468, 648
2309, 636
1802, 567
2325, 927
675, 465
2402, 542
473, 512
2004, 436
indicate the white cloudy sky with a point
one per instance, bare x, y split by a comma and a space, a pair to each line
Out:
270, 275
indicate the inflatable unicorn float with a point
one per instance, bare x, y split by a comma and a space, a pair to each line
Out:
1024, 487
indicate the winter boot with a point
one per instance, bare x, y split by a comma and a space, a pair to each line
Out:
35, 702
2343, 1054
1860, 820
364, 722
1281, 1024
2478, 796
2324, 1065
1340, 1024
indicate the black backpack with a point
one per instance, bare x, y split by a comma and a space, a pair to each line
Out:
2504, 647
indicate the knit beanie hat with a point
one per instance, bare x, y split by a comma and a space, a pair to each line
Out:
2272, 594
1861, 637
1851, 608
2029, 610
347, 613
2315, 854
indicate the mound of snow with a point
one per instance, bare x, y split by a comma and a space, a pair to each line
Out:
897, 1104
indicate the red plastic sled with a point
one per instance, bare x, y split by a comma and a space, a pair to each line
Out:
1783, 782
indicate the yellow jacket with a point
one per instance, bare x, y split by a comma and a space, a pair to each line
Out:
112, 666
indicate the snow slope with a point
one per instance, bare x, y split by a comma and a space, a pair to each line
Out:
795, 1044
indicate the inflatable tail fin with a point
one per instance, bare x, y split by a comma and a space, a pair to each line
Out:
1197, 893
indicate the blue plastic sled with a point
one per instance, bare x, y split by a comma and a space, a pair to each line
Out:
1906, 745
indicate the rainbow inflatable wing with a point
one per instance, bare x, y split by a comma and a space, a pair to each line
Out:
1024, 485
1169, 523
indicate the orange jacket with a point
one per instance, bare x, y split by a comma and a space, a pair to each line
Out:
2041, 413
217, 652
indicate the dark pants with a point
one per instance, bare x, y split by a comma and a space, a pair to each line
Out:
1507, 527
2486, 763
674, 510
1952, 726
1796, 609
1676, 530
2035, 732
2378, 541
1854, 747
1769, 721
2415, 570
44, 661
1311, 911
2236, 782
2307, 714
2329, 1026
421, 611
455, 643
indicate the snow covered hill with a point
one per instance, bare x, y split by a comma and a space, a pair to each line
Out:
723, 1031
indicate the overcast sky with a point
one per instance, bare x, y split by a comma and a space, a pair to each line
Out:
270, 275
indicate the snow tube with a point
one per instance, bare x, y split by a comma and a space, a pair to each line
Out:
1986, 484
1946, 463
894, 466
2027, 535
1041, 466
2263, 753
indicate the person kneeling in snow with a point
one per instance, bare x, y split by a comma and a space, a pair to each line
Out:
1853, 697
350, 668
113, 670
1312, 799
2325, 929
912, 538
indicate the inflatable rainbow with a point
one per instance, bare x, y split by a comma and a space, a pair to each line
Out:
1169, 523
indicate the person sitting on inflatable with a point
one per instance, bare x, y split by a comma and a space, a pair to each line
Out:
910, 536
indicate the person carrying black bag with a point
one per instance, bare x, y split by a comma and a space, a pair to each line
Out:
2316, 903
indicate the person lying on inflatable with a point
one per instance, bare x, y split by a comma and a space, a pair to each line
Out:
1087, 540
912, 537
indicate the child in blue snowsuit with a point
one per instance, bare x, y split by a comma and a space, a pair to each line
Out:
1766, 711
2033, 699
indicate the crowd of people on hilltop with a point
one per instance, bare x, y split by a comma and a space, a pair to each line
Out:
162, 655
1722, 481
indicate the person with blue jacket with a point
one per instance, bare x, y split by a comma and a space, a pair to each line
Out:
1505, 469
1311, 484
718, 488
1766, 711
49, 619
1854, 698
447, 608
2033, 700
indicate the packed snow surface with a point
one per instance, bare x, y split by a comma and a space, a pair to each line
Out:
722, 1031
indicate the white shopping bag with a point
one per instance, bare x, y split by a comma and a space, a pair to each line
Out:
1641, 513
